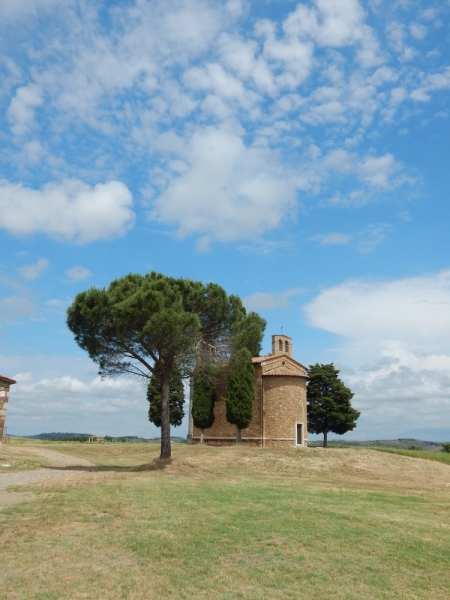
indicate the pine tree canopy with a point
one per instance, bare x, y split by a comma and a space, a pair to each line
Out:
329, 406
176, 398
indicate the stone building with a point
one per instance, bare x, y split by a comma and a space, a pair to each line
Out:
5, 384
279, 406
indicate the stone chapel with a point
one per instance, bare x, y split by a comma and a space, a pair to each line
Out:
279, 406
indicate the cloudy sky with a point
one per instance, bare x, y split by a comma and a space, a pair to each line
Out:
297, 153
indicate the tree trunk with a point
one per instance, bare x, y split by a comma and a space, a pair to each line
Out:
165, 418
238, 436
325, 440
202, 435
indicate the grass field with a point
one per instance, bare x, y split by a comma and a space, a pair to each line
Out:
439, 456
228, 523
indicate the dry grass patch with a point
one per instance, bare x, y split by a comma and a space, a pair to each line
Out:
18, 458
231, 523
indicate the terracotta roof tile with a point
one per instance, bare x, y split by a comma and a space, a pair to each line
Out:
259, 359
284, 371
7, 380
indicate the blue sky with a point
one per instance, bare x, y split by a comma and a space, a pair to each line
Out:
294, 153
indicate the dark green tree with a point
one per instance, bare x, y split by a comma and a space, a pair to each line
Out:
240, 391
203, 400
329, 406
145, 322
446, 447
247, 329
176, 398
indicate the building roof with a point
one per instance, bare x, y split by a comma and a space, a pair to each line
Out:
268, 357
259, 359
283, 371
288, 366
7, 380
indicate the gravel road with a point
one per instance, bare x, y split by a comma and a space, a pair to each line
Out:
56, 459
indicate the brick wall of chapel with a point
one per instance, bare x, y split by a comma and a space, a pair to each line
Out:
284, 406
221, 427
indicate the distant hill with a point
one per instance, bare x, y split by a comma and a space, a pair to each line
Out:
65, 436
57, 435
400, 443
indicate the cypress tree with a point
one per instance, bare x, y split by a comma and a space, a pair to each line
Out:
203, 401
240, 391
176, 398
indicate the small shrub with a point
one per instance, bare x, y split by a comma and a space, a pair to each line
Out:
446, 447
415, 448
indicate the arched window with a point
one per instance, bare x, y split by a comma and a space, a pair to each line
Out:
280, 345
286, 346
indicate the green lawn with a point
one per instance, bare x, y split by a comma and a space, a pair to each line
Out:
218, 524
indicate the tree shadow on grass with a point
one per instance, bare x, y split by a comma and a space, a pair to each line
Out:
155, 465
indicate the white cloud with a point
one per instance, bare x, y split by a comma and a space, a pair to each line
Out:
292, 58
405, 404
413, 313
377, 171
228, 191
68, 385
401, 329
78, 274
159, 72
213, 77
240, 55
70, 210
19, 9
68, 403
21, 109
63, 393
396, 33
402, 395
366, 240
56, 305
418, 30
35, 270
266, 301
33, 152
334, 239
329, 23
328, 106
431, 83
372, 237
150, 39
428, 14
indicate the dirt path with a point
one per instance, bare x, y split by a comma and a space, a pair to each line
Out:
59, 459
56, 459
